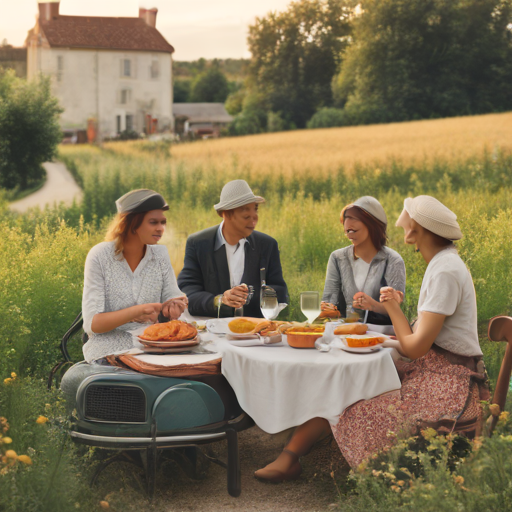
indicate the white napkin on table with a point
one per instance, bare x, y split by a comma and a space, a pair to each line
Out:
253, 340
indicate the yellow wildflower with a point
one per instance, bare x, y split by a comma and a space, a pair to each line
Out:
6, 440
104, 505
429, 433
504, 417
395, 488
495, 409
11, 454
25, 459
401, 483
13, 375
41, 420
8, 380
458, 479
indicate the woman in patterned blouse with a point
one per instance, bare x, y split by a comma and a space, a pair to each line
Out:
129, 279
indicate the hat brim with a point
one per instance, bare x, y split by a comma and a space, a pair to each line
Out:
237, 203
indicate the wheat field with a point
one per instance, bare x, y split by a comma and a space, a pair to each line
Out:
323, 150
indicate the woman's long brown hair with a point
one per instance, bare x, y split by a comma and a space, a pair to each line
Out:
121, 225
376, 228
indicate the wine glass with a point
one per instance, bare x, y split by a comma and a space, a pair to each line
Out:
310, 305
268, 303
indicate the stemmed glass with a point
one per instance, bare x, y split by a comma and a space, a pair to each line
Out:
268, 303
310, 305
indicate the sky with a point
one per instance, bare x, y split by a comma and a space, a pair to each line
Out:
196, 28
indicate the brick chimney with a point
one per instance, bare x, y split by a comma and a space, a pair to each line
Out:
48, 10
148, 15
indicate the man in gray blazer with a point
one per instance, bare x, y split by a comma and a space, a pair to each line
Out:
221, 259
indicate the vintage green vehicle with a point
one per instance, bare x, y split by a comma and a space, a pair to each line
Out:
119, 409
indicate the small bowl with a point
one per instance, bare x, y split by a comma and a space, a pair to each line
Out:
303, 339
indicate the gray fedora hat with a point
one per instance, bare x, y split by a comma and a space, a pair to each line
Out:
236, 193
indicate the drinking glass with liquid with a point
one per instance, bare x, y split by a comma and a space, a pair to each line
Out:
310, 305
268, 303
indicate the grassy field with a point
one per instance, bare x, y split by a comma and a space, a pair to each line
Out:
306, 177
324, 151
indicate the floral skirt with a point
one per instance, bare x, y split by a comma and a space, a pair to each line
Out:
434, 392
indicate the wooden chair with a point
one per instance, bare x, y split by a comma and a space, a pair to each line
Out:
500, 329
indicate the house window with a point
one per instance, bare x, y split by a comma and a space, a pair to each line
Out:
129, 122
118, 124
125, 96
60, 67
127, 67
155, 69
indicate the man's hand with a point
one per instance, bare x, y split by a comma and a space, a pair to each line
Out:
149, 313
236, 297
363, 301
173, 308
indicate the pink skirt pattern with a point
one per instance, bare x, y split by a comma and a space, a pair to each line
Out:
433, 389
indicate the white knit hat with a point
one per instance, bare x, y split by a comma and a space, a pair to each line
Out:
433, 215
236, 193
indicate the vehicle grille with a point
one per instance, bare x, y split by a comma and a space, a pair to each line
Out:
122, 404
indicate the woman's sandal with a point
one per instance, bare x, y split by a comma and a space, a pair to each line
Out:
276, 476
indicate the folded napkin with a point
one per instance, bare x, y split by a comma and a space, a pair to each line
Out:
253, 340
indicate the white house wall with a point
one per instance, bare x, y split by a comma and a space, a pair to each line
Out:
90, 84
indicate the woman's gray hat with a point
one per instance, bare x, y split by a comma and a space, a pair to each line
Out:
141, 200
236, 193
370, 205
433, 215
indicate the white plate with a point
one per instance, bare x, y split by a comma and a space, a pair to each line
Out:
359, 350
169, 344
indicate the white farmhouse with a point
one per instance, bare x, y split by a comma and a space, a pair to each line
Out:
109, 74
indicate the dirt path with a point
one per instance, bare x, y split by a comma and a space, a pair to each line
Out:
315, 491
59, 187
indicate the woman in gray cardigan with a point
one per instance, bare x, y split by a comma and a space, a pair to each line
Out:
355, 274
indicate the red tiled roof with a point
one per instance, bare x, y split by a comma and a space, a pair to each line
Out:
129, 34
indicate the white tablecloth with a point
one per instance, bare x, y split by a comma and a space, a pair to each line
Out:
282, 387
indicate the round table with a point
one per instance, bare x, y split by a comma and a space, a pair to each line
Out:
282, 387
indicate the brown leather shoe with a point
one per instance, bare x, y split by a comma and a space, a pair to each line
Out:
275, 476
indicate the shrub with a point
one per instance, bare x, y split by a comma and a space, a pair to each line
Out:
327, 117
29, 129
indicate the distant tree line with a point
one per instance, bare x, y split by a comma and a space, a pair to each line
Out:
207, 81
343, 62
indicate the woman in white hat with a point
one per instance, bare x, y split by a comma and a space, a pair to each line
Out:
128, 279
356, 273
444, 382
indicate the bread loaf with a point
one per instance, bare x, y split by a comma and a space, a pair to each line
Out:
355, 328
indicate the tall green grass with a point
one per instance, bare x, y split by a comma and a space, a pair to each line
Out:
42, 254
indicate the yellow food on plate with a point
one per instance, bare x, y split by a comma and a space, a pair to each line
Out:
242, 325
363, 341
175, 330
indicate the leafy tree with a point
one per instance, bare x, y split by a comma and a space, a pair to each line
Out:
210, 86
415, 59
29, 129
181, 90
295, 55
327, 117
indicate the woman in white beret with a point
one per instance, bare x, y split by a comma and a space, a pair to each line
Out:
128, 279
445, 379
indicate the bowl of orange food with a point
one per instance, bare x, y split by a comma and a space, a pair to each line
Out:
304, 336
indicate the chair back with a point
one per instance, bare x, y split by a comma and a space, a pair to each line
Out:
500, 329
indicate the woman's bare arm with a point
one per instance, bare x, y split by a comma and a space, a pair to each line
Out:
104, 322
414, 344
